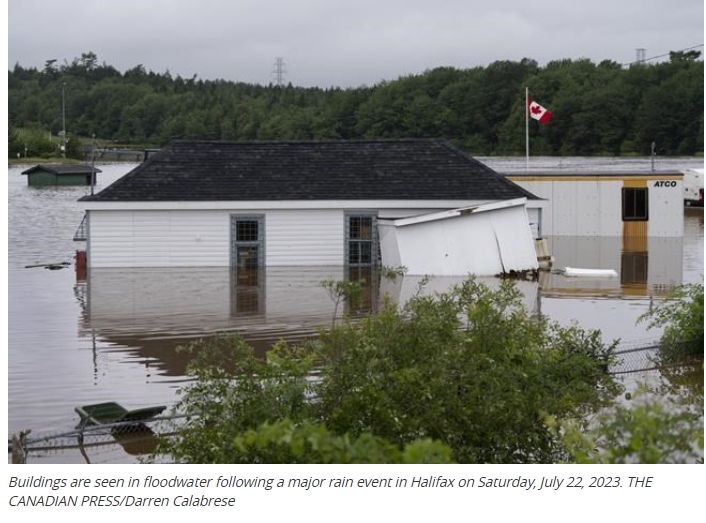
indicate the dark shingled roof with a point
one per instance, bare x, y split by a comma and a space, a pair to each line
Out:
62, 168
407, 169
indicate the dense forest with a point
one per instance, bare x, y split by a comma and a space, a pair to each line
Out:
604, 108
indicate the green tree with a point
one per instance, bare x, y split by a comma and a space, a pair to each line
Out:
598, 109
15, 146
681, 315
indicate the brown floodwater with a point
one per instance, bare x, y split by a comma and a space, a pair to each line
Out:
110, 335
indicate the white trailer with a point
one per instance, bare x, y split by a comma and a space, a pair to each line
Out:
621, 204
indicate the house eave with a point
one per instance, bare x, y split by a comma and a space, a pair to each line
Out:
278, 204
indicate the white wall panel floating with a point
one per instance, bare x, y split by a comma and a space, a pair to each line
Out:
483, 240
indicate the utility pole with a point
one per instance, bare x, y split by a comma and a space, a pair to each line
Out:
654, 153
279, 71
93, 164
63, 119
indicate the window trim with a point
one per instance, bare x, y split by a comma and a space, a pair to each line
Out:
374, 240
234, 243
624, 200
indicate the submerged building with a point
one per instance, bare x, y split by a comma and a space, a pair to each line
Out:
53, 174
635, 204
304, 203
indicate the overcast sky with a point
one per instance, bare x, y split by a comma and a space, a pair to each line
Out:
343, 43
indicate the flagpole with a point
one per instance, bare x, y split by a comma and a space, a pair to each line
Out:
526, 129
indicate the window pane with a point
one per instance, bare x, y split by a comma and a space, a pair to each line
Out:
635, 204
361, 228
640, 204
246, 231
365, 253
628, 204
353, 253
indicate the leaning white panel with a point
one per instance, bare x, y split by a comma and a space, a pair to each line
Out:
484, 240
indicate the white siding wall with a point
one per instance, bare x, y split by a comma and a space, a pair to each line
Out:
579, 208
159, 238
193, 237
304, 237
611, 208
201, 238
666, 209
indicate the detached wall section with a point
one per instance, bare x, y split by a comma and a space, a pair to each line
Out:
484, 240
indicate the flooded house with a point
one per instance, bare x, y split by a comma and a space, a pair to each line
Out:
53, 174
309, 204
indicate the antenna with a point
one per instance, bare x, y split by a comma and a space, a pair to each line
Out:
279, 71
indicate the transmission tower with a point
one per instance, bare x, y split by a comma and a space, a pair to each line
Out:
640, 55
279, 71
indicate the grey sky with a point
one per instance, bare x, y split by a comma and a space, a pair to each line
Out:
334, 43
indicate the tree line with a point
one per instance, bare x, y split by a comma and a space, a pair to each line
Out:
603, 108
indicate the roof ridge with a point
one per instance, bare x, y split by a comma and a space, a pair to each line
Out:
310, 141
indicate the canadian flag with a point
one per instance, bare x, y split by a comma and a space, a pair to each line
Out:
538, 112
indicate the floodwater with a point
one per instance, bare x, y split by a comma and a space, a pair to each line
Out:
111, 335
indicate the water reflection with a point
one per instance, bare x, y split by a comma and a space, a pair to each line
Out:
151, 311
154, 310
647, 267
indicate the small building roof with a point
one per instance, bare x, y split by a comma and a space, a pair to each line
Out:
62, 168
406, 169
608, 174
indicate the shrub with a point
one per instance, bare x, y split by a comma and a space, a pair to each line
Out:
469, 369
682, 317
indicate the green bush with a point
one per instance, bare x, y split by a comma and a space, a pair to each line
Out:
286, 442
647, 429
682, 317
469, 369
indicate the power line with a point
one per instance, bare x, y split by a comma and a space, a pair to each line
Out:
643, 60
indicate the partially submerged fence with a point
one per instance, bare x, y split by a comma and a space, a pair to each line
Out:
90, 442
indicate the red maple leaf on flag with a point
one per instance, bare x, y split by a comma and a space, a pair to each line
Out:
537, 112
